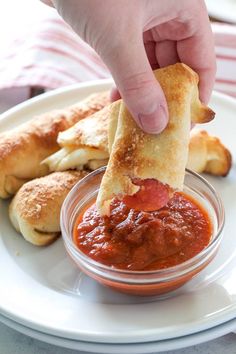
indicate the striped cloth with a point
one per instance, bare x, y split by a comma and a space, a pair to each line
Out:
225, 47
52, 55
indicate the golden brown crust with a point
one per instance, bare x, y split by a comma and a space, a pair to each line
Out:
35, 209
85, 144
23, 148
91, 104
90, 132
208, 154
135, 154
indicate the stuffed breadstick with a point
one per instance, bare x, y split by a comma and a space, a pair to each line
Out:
85, 144
22, 149
145, 169
35, 209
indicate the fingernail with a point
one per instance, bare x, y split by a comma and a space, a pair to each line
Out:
154, 123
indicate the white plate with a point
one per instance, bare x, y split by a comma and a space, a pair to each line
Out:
140, 348
41, 288
223, 10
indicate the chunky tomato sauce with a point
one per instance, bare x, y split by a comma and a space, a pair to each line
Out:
138, 240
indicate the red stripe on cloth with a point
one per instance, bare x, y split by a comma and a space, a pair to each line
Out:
50, 68
47, 77
44, 82
56, 20
229, 93
62, 31
73, 56
62, 37
78, 46
65, 54
59, 31
226, 57
40, 76
226, 81
225, 40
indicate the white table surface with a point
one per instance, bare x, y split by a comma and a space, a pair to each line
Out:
12, 342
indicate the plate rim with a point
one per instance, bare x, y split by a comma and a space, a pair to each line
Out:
133, 348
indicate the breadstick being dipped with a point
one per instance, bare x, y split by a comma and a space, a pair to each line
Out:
144, 169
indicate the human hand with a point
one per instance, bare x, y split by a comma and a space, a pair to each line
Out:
135, 36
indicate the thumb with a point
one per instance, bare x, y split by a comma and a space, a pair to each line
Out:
139, 88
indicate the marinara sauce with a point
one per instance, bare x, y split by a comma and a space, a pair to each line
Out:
137, 240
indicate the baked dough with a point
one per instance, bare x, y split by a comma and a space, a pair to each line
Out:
208, 154
85, 144
35, 209
162, 157
23, 148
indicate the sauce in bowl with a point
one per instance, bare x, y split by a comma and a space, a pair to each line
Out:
144, 241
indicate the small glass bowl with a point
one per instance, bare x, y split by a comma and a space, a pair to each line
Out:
141, 282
